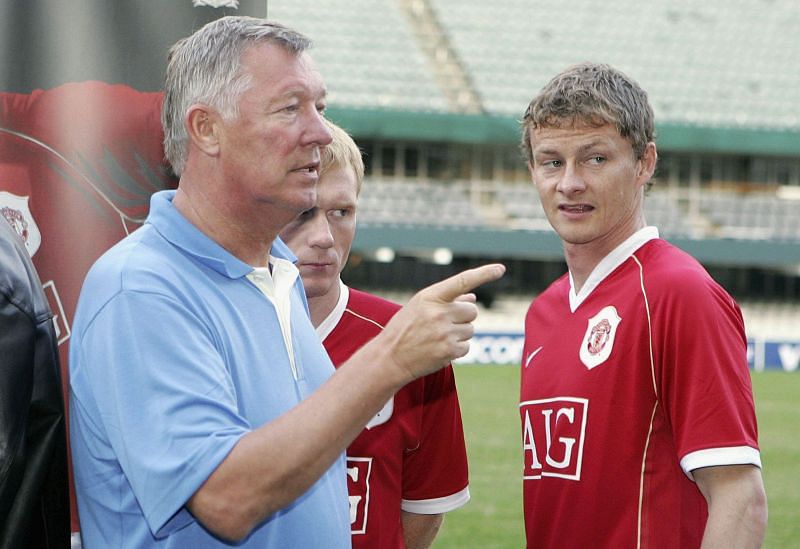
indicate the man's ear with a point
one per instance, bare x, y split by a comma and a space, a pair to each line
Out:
201, 125
647, 163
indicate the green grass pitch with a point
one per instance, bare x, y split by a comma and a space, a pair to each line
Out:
493, 519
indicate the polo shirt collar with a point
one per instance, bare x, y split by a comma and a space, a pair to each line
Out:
181, 233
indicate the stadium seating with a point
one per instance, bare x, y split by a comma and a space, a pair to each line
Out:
417, 203
520, 202
770, 319
723, 77
663, 211
693, 58
752, 216
367, 52
516, 206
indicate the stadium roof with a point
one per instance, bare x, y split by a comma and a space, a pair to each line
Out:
723, 75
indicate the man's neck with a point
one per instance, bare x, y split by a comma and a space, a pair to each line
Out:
582, 259
580, 264
250, 242
322, 306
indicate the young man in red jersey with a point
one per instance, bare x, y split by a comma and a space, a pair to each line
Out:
637, 412
408, 466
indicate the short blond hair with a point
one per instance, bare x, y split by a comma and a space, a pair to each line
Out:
342, 152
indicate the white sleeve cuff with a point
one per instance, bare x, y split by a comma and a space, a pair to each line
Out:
733, 455
436, 506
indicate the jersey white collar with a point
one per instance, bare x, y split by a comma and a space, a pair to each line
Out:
610, 262
326, 326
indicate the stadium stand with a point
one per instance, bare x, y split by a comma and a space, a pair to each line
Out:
691, 56
456, 75
368, 52
417, 203
769, 319
760, 216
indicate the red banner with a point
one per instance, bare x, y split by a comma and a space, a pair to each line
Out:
80, 131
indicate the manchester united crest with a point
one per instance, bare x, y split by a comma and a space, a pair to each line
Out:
15, 209
599, 338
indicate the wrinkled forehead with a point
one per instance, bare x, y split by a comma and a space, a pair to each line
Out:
283, 68
574, 127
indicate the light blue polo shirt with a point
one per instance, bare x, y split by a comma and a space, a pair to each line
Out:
175, 355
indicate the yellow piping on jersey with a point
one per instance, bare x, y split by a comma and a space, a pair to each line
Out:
362, 317
655, 405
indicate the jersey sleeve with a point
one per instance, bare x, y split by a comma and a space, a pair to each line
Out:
435, 475
163, 398
704, 378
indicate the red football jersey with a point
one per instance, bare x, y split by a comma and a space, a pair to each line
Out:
412, 455
626, 388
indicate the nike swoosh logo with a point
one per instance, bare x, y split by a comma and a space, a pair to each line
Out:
533, 354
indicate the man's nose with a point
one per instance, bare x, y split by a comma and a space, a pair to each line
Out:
572, 180
321, 235
318, 132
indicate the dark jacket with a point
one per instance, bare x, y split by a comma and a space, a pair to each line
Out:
34, 504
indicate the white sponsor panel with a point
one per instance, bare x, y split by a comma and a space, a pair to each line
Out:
553, 435
506, 349
789, 355
358, 473
494, 349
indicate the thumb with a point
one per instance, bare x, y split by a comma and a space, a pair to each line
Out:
451, 288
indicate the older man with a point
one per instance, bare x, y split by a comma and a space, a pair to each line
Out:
204, 408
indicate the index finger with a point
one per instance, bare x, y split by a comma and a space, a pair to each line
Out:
465, 281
